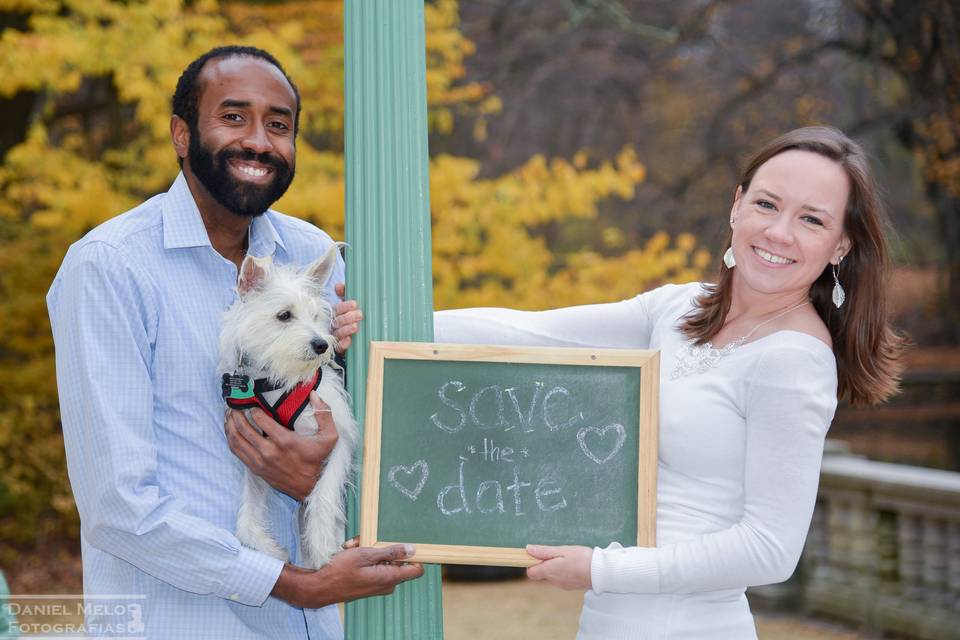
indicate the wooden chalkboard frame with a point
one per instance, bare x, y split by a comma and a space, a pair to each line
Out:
647, 361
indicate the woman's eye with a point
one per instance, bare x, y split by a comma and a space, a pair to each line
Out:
766, 204
284, 316
813, 220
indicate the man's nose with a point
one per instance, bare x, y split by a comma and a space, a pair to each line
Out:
319, 345
256, 139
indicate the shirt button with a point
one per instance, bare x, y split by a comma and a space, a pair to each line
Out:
235, 596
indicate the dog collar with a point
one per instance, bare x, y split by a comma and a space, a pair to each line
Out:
240, 392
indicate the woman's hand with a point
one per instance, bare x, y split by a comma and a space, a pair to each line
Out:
567, 567
346, 321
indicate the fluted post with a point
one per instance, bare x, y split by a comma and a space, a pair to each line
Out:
388, 232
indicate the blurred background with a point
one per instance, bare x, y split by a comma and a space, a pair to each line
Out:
582, 151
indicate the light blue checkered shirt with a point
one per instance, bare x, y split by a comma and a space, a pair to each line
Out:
135, 310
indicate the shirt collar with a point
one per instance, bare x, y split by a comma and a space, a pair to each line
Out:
183, 226
264, 238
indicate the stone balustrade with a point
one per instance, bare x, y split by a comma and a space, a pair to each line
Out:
884, 548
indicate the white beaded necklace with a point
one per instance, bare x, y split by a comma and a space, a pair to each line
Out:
694, 358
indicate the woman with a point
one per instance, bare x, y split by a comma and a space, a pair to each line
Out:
751, 369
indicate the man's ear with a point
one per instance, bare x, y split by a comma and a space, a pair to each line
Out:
180, 135
322, 268
253, 271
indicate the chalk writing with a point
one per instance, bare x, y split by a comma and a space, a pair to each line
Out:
558, 391
489, 497
462, 417
493, 453
409, 473
477, 400
591, 450
487, 408
526, 420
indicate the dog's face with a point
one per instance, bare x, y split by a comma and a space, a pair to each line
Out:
281, 322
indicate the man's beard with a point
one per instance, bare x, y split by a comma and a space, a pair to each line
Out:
238, 197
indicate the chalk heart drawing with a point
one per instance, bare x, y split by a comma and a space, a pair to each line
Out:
408, 478
601, 442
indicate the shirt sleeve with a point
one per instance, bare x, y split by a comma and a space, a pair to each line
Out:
625, 325
791, 398
103, 319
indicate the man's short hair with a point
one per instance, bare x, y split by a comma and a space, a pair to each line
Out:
186, 98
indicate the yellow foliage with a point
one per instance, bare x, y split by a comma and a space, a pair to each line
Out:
73, 170
488, 248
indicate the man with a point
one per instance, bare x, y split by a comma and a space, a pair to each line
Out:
135, 312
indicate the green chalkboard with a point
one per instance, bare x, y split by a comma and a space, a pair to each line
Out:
472, 452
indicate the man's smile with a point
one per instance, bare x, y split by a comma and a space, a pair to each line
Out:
249, 169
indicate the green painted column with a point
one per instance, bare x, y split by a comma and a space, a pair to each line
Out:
388, 232
8, 621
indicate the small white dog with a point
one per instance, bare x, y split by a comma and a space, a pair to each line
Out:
276, 346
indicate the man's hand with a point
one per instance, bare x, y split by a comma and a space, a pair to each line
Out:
288, 461
346, 321
354, 573
566, 567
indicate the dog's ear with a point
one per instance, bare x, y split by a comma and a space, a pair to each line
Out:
322, 268
253, 271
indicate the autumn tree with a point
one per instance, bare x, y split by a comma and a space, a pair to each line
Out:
85, 88
698, 84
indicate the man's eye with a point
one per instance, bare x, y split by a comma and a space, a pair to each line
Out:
279, 125
231, 116
284, 316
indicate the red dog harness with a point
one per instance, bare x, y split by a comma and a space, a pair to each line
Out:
240, 393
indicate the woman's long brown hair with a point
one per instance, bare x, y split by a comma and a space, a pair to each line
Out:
866, 346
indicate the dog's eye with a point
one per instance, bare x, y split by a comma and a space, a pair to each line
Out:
284, 316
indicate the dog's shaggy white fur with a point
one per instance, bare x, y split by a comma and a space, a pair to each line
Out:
278, 328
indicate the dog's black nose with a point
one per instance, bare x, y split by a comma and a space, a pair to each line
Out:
319, 345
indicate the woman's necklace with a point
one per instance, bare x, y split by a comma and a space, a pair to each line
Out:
694, 358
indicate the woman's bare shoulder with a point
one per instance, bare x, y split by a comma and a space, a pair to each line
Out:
809, 322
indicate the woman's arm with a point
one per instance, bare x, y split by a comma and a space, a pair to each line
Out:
791, 400
624, 324
790, 403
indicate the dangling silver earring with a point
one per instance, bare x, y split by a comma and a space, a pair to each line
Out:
838, 293
728, 259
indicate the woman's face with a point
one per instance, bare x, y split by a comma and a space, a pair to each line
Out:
789, 224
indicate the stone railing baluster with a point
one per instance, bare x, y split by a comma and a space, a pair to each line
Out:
884, 548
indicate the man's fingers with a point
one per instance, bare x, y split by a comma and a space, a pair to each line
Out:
393, 553
324, 416
404, 572
345, 306
244, 430
318, 404
345, 329
351, 543
268, 425
347, 317
238, 441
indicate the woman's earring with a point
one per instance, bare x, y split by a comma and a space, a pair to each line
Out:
838, 293
728, 259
